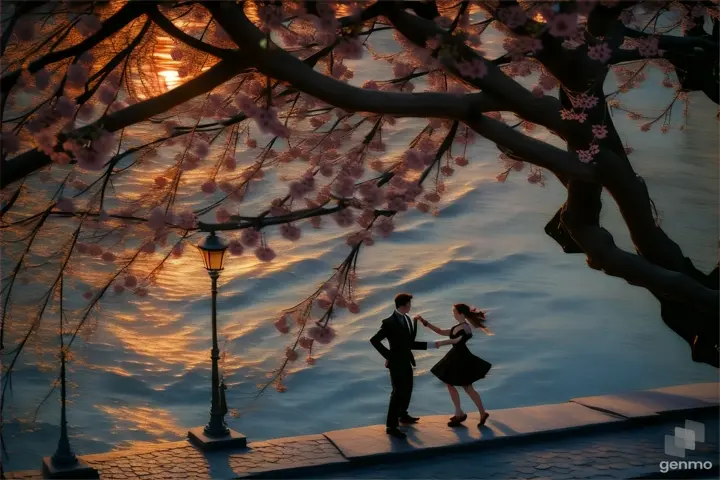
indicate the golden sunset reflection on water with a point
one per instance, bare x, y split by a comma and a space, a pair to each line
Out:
142, 419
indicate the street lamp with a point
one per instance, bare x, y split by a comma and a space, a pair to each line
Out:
215, 434
64, 463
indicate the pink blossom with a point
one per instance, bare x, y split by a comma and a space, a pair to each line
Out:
148, 247
281, 325
461, 161
291, 354
547, 82
397, 204
599, 131
265, 254
475, 68
414, 160
353, 308
401, 69
106, 94
222, 215
648, 47
323, 303
177, 250
423, 207
563, 25
290, 232
535, 177
503, 176
187, 220
316, 222
85, 112
77, 75
160, 181
131, 281
88, 295
350, 48
88, 25
246, 105
322, 335
156, 220
340, 302
344, 186
141, 292
95, 250
432, 197
250, 237
601, 52
235, 248
326, 170
305, 342
65, 107
209, 187
65, 204
344, 218
87, 58
176, 54
118, 288
201, 148
384, 227
108, 257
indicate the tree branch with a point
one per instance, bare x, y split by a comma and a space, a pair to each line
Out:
129, 12
30, 161
168, 27
277, 63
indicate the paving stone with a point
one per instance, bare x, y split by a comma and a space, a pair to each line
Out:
624, 454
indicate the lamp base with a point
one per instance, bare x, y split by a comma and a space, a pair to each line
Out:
233, 439
80, 469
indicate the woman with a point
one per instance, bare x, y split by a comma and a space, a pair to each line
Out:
459, 367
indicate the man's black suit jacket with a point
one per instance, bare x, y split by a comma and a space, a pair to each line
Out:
400, 338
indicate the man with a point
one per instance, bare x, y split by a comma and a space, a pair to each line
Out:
400, 332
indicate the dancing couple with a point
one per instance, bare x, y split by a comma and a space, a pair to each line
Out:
458, 368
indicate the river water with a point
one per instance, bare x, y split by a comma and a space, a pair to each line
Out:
562, 330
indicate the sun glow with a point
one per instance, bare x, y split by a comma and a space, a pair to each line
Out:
539, 18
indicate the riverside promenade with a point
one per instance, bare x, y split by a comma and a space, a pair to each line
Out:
609, 436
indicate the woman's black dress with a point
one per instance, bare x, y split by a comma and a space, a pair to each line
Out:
459, 366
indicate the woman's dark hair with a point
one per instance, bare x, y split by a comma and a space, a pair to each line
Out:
474, 316
402, 299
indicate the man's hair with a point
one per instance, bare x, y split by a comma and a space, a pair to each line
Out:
402, 299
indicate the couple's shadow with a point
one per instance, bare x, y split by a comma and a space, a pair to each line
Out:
464, 435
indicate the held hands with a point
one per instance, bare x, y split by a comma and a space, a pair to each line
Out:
421, 320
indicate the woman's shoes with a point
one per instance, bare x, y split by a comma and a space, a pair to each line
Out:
456, 421
483, 419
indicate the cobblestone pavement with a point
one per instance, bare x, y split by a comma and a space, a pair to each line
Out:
613, 455
619, 454
186, 462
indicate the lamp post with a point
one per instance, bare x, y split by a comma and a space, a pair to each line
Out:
215, 434
64, 463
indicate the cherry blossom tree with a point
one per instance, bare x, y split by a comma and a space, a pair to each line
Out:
263, 87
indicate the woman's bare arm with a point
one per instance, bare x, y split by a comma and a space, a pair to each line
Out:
449, 341
438, 330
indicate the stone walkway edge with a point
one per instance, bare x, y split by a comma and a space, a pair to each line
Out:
345, 449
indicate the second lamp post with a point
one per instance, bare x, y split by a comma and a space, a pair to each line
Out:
215, 434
